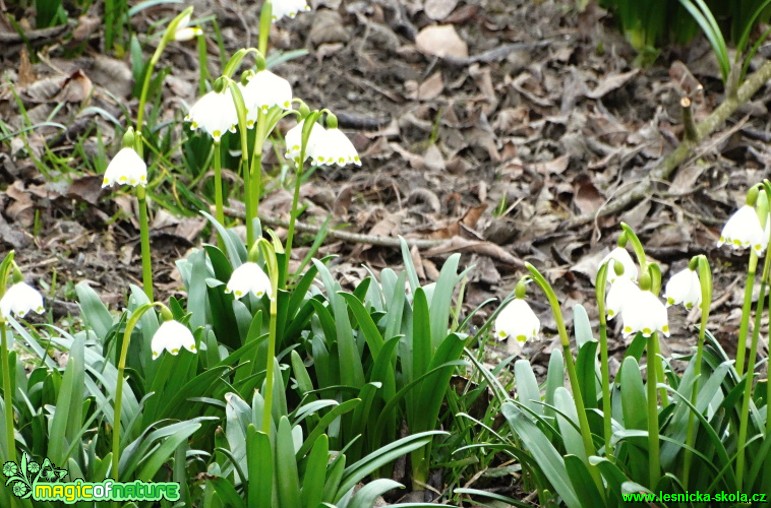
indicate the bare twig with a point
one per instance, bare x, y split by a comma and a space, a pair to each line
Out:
669, 163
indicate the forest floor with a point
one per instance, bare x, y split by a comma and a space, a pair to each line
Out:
488, 124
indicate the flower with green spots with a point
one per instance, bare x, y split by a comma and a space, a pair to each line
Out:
249, 278
215, 113
10, 468
644, 313
684, 287
126, 168
172, 336
517, 321
743, 230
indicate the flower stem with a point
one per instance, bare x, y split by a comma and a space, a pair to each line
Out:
293, 215
255, 168
749, 378
269, 255
132, 322
583, 421
144, 233
607, 410
653, 415
741, 347
10, 438
220, 214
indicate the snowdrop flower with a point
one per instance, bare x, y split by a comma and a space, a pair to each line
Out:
215, 113
621, 255
185, 32
646, 314
263, 91
249, 277
127, 168
518, 321
684, 287
743, 230
622, 291
334, 147
288, 8
172, 336
20, 299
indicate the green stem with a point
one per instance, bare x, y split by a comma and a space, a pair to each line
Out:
293, 215
659, 363
653, 415
255, 169
266, 20
270, 263
607, 413
744, 417
203, 68
583, 421
10, 436
220, 214
116, 448
741, 346
144, 233
248, 203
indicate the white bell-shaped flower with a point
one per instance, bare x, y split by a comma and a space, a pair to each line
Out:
517, 321
19, 299
214, 112
645, 314
172, 336
743, 230
684, 287
622, 291
288, 8
293, 140
184, 32
263, 91
247, 278
621, 255
334, 147
126, 168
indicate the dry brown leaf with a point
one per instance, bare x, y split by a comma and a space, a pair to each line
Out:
26, 71
586, 197
442, 41
458, 244
610, 83
87, 25
328, 28
76, 88
686, 178
87, 188
439, 9
553, 167
431, 88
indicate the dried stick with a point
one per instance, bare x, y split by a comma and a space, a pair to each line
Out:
668, 165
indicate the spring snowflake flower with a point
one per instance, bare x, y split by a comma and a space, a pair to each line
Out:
621, 255
334, 147
172, 336
263, 91
518, 321
215, 113
247, 278
20, 299
288, 8
293, 140
646, 314
184, 32
743, 230
622, 291
684, 287
127, 168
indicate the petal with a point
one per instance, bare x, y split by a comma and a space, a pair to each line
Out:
172, 336
622, 256
126, 166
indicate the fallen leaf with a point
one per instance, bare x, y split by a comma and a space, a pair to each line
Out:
442, 41
586, 197
439, 9
610, 83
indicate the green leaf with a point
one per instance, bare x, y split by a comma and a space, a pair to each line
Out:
527, 386
315, 473
633, 397
582, 481
94, 312
543, 452
367, 496
287, 477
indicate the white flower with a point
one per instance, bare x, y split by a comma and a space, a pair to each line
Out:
20, 299
645, 314
293, 140
172, 336
621, 255
215, 113
185, 32
288, 8
333, 147
622, 291
249, 277
743, 230
684, 287
263, 91
127, 167
518, 321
